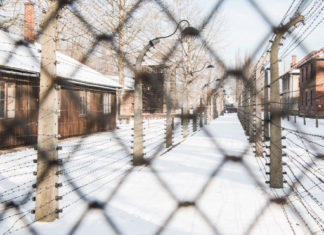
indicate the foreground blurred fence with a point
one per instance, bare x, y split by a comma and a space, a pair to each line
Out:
38, 95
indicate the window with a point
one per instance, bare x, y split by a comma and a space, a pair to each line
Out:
306, 98
313, 70
311, 98
88, 93
2, 100
11, 100
106, 103
302, 98
83, 103
59, 101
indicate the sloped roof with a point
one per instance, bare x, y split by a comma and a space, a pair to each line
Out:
312, 55
129, 82
27, 58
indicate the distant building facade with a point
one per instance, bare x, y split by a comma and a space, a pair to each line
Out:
290, 89
311, 83
153, 95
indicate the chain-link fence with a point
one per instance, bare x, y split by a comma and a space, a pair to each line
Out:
82, 149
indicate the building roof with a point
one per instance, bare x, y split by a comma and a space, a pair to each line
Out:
312, 55
292, 70
26, 58
129, 82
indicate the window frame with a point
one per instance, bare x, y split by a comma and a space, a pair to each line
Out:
83, 102
106, 103
3, 89
11, 100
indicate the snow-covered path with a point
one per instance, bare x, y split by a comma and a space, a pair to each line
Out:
228, 203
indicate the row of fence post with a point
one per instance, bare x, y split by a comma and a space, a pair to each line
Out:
268, 135
250, 108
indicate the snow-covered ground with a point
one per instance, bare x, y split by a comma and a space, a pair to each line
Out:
226, 197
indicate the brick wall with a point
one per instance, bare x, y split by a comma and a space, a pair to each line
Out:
311, 100
153, 86
320, 87
127, 103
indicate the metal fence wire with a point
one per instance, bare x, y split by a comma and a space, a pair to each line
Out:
58, 175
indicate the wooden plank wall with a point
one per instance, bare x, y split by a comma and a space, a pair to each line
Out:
22, 129
72, 123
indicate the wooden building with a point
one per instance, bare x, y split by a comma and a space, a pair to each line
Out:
87, 99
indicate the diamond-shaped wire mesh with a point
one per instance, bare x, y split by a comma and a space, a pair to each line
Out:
94, 170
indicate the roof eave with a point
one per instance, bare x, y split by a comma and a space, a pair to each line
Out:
89, 84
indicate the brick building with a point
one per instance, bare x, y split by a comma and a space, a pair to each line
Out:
153, 85
311, 84
153, 90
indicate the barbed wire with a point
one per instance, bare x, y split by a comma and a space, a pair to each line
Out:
87, 165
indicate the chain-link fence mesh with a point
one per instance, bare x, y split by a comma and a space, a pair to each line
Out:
76, 170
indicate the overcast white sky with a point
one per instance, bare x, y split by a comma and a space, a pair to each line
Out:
245, 27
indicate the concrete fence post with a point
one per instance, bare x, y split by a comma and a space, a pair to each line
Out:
201, 123
169, 105
258, 109
194, 121
205, 113
245, 110
276, 172
185, 114
251, 110
47, 206
266, 135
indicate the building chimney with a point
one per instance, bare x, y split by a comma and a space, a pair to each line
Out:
29, 22
293, 61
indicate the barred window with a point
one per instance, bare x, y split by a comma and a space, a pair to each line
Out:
106, 103
88, 94
11, 100
2, 100
83, 103
313, 70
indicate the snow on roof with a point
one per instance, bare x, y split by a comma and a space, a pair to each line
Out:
27, 58
129, 82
